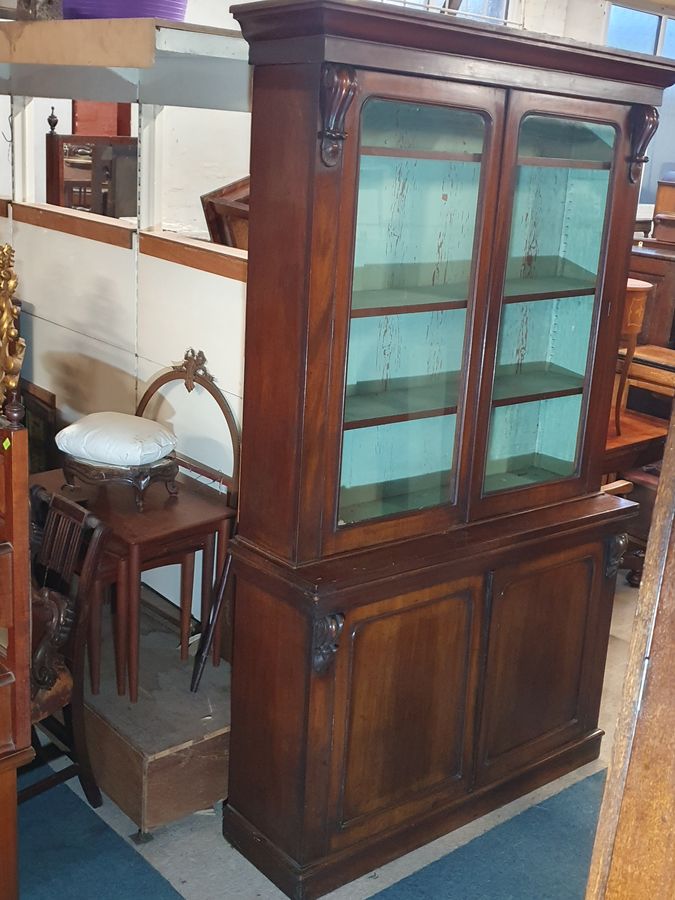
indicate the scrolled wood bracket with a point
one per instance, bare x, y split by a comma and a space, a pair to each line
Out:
325, 636
644, 120
615, 547
338, 86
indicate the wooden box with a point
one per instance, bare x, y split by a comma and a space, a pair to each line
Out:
166, 756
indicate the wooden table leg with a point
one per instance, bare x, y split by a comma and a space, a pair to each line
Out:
225, 618
94, 636
133, 604
187, 577
121, 625
631, 343
208, 556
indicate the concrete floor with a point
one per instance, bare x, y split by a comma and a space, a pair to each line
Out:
193, 856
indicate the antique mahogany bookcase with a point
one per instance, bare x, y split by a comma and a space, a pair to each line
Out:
441, 220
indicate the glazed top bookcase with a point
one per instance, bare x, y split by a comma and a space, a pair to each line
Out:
460, 321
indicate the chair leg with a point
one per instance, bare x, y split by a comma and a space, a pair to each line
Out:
187, 572
74, 716
95, 636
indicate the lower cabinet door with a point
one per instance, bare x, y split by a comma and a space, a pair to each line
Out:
405, 683
547, 640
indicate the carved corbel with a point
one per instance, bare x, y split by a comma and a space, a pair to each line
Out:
615, 547
325, 637
338, 86
644, 120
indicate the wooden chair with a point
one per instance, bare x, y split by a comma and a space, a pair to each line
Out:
66, 540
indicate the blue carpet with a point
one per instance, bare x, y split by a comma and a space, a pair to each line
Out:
543, 853
66, 852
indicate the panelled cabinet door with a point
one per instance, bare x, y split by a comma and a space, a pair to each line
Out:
565, 161
544, 665
414, 240
405, 678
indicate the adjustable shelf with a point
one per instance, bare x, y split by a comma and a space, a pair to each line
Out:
534, 381
406, 153
401, 399
525, 471
555, 163
394, 497
399, 301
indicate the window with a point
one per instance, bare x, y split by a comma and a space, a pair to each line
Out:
489, 10
646, 32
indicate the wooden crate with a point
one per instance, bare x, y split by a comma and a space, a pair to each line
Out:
166, 756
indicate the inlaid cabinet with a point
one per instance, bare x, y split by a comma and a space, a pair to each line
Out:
440, 228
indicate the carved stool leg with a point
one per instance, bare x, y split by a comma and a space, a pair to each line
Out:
224, 618
120, 625
74, 717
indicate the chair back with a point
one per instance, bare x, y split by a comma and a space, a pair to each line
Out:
67, 542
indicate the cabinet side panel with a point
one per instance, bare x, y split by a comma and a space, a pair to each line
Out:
276, 314
416, 703
269, 713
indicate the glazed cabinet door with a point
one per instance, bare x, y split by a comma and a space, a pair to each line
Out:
545, 658
415, 235
552, 330
405, 682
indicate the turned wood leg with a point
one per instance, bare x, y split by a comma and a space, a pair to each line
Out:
120, 626
187, 574
94, 636
134, 631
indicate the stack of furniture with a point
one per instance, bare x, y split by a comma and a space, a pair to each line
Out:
424, 564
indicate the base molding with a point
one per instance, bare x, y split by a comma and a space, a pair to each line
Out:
317, 879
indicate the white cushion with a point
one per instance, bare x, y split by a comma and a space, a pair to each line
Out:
116, 439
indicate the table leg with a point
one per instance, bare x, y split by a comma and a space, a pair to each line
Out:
121, 625
631, 343
187, 577
208, 556
224, 623
133, 604
94, 636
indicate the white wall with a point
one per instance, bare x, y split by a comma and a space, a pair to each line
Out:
5, 147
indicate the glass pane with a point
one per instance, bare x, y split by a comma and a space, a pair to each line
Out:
632, 29
419, 178
669, 39
548, 304
531, 443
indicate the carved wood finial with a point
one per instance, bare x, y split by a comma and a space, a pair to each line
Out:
326, 634
52, 121
12, 347
644, 120
338, 86
193, 364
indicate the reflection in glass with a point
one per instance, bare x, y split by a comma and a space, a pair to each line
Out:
418, 191
545, 329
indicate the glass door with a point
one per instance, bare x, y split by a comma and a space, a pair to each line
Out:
419, 180
548, 304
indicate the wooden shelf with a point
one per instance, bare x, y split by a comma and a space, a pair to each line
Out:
374, 501
401, 399
162, 63
525, 471
555, 163
421, 154
534, 381
399, 301
552, 287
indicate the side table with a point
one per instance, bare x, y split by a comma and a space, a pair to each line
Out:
168, 531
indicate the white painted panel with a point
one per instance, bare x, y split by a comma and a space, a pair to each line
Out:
202, 149
84, 285
5, 231
180, 307
85, 375
5, 146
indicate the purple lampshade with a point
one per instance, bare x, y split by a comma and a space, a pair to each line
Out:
125, 9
